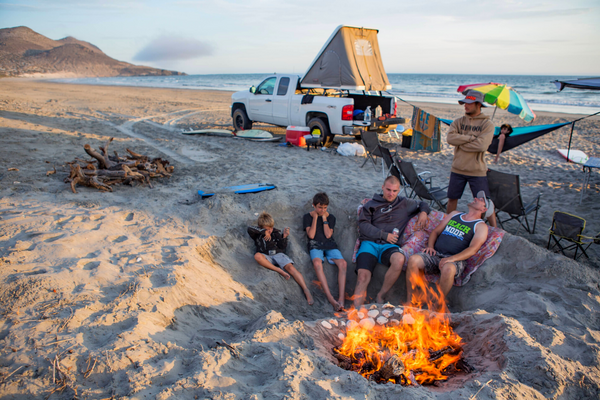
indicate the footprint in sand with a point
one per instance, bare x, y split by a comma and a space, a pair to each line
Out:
118, 239
129, 217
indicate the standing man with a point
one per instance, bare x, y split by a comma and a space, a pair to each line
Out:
471, 135
376, 224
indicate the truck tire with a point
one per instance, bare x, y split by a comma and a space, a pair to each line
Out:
241, 122
318, 123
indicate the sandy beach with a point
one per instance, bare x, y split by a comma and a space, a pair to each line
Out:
135, 294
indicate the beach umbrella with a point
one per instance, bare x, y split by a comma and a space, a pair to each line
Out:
502, 96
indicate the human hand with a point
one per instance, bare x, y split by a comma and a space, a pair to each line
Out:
430, 251
313, 213
444, 261
421, 221
392, 238
286, 232
268, 235
325, 215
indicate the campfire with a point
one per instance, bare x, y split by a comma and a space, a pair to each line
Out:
403, 345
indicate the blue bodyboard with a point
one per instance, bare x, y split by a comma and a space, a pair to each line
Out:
250, 188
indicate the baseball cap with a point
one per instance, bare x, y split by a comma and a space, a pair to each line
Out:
472, 96
489, 204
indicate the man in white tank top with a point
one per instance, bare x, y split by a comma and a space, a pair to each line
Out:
454, 240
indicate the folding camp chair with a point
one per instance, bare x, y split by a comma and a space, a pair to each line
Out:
392, 168
570, 228
505, 190
435, 195
370, 141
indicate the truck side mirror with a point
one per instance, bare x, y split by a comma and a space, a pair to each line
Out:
252, 89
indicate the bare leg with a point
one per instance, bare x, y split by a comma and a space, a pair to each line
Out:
262, 260
318, 265
492, 220
452, 203
415, 268
447, 277
342, 267
391, 276
300, 280
360, 291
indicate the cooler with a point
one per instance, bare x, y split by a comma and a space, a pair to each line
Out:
407, 138
295, 135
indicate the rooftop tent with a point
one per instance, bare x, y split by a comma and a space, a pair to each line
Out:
349, 60
585, 83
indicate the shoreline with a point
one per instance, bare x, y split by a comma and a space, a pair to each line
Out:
536, 107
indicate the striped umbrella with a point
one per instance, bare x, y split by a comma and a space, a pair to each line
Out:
502, 96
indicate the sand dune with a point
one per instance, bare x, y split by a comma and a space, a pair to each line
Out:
133, 294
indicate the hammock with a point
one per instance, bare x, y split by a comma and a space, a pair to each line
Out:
519, 135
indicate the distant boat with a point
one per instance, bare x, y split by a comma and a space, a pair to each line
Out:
583, 83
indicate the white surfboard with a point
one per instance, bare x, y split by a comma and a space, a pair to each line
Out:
209, 132
576, 156
254, 133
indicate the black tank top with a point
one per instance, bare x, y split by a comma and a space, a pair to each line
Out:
456, 236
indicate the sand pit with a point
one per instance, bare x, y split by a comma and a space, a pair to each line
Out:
154, 293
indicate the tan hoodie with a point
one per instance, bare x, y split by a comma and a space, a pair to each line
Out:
471, 137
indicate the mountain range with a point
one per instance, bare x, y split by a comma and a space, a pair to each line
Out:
26, 52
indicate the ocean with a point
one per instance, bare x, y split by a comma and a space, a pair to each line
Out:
538, 90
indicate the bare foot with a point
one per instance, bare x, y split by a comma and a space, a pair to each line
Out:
309, 297
336, 305
285, 275
341, 303
379, 300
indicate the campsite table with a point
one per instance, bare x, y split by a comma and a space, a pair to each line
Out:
587, 170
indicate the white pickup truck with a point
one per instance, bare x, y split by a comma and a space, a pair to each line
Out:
346, 77
279, 100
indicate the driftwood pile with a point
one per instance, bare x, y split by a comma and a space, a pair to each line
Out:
105, 170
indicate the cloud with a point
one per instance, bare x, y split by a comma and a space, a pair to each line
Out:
170, 48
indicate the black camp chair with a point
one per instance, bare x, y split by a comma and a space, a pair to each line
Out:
505, 191
570, 228
435, 195
392, 168
370, 141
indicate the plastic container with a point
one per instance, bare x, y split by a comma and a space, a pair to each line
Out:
407, 138
367, 117
295, 135
378, 112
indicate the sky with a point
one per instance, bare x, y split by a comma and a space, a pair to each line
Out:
553, 37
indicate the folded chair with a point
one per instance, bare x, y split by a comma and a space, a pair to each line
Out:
435, 195
370, 141
392, 168
505, 190
570, 228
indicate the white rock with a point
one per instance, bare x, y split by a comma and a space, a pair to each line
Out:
394, 321
388, 305
360, 315
326, 324
352, 324
382, 320
399, 310
341, 336
373, 313
342, 323
333, 322
387, 313
373, 307
408, 319
367, 323
139, 259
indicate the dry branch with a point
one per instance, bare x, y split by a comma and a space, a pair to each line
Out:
105, 171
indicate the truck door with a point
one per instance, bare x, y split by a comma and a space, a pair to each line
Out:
281, 102
261, 103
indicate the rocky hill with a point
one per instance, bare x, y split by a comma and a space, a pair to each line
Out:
25, 52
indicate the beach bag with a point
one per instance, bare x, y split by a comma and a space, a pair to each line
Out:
351, 149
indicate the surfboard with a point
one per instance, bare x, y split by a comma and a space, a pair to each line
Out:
209, 132
576, 156
254, 133
273, 139
250, 188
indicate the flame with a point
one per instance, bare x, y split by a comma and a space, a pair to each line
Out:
423, 340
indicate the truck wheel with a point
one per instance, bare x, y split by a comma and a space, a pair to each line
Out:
318, 123
241, 122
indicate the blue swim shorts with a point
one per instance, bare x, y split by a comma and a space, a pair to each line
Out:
331, 254
370, 253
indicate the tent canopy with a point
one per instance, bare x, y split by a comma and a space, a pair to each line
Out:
584, 83
350, 60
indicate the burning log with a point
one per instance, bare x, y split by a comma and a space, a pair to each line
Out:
393, 367
106, 170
